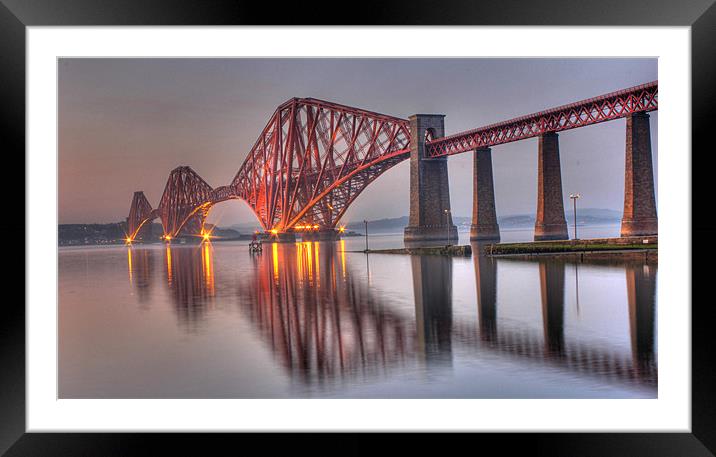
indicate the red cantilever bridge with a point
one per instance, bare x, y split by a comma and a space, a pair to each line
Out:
314, 158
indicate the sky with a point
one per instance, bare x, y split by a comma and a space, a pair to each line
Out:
124, 124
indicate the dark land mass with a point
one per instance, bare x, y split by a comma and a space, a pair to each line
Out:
116, 233
84, 234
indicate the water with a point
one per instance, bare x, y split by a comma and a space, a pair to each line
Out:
310, 320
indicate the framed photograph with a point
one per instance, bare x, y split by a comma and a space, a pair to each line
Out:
409, 219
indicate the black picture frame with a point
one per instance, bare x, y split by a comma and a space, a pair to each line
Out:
700, 15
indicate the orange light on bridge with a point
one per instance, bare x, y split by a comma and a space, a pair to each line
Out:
342, 228
274, 232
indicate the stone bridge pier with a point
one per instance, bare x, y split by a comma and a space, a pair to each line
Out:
484, 216
639, 202
430, 216
550, 223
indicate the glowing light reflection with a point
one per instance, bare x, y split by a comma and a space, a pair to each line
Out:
169, 264
274, 252
207, 261
343, 257
129, 263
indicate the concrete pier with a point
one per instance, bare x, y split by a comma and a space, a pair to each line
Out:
550, 222
639, 201
484, 217
430, 217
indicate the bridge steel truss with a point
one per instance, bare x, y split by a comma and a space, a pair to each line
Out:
310, 162
315, 157
607, 107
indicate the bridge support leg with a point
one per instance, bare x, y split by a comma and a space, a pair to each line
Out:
639, 202
551, 223
194, 227
484, 218
430, 217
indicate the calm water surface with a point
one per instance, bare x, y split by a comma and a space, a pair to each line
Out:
310, 320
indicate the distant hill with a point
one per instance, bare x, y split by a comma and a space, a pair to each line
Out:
585, 216
247, 228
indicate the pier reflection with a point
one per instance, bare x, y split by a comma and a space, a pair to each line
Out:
140, 266
189, 276
432, 289
551, 275
486, 284
641, 294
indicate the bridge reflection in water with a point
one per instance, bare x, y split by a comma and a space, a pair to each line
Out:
323, 321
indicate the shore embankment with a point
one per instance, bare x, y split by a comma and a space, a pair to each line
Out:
627, 248
455, 251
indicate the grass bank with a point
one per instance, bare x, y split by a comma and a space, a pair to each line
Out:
454, 251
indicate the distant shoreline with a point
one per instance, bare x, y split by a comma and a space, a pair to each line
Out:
115, 233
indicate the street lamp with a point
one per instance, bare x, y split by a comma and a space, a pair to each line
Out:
365, 222
574, 198
447, 226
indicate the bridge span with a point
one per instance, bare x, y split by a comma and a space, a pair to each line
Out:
314, 158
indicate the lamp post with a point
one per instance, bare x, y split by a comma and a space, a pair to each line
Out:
366, 235
574, 198
447, 226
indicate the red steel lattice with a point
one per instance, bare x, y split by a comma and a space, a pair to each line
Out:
310, 162
603, 108
314, 158
139, 212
